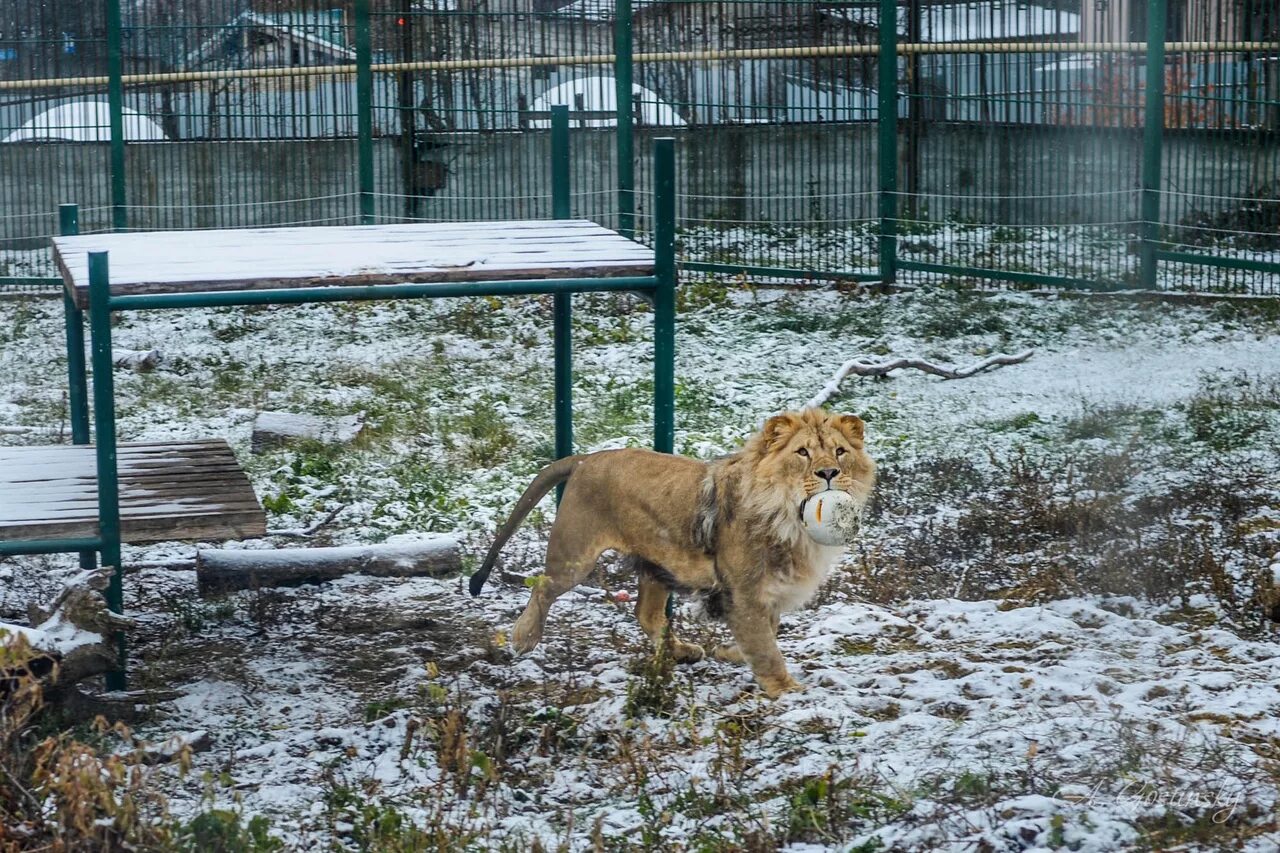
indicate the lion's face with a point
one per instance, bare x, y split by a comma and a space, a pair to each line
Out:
806, 452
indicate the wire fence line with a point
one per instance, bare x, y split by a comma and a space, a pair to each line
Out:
1028, 142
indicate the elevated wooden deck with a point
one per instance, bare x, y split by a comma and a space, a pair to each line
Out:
168, 490
276, 258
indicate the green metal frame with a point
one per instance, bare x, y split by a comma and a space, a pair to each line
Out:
887, 122
1221, 263
562, 312
1152, 143
623, 75
660, 286
115, 106
364, 110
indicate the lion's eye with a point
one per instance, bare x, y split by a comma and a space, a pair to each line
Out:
803, 452
839, 451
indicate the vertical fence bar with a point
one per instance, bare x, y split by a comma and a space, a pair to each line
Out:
561, 208
115, 106
1152, 139
104, 416
364, 110
887, 122
77, 386
623, 76
664, 301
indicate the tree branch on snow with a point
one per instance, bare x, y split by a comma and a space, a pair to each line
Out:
308, 532
861, 366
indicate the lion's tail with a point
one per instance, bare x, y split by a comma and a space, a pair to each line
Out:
548, 478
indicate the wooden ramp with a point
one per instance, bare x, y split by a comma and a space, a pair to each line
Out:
168, 490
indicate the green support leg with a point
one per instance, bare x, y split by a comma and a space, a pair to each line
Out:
77, 384
561, 208
104, 411
664, 308
664, 304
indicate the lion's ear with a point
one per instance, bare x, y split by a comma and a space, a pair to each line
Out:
851, 425
779, 428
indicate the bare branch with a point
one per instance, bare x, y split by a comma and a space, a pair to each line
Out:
861, 366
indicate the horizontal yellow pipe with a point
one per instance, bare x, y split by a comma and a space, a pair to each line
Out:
665, 56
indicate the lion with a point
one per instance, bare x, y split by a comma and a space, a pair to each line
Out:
729, 529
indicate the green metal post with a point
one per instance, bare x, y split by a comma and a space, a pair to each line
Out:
664, 302
1152, 139
364, 110
887, 120
623, 76
664, 305
104, 416
77, 385
115, 105
561, 208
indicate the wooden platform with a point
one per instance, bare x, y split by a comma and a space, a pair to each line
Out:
168, 490
269, 258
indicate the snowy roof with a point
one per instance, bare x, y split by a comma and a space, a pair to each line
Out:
966, 22
85, 121
599, 10
600, 94
323, 30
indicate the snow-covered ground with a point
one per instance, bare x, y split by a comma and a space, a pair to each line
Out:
1051, 637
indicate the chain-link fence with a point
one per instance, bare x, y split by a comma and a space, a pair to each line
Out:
1035, 143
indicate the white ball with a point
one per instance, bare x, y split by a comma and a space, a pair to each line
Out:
832, 517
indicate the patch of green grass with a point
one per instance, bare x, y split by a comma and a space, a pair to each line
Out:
1111, 421
706, 292
1015, 423
1228, 414
427, 499
224, 831
482, 436
652, 690
615, 409
379, 708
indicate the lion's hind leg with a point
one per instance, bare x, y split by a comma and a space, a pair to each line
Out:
570, 558
651, 613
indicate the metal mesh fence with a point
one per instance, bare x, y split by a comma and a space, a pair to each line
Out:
1036, 143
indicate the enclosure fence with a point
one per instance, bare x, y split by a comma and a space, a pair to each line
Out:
1100, 144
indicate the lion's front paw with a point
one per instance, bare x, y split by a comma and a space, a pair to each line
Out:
526, 635
728, 653
775, 687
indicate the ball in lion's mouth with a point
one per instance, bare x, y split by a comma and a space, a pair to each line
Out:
832, 517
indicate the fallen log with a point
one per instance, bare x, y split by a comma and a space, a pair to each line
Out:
277, 429
139, 361
69, 640
220, 570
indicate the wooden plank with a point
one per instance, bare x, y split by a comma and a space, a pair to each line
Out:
179, 490
250, 259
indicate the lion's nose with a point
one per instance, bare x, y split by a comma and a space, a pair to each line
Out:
828, 474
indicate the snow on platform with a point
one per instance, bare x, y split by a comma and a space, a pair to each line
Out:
265, 258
